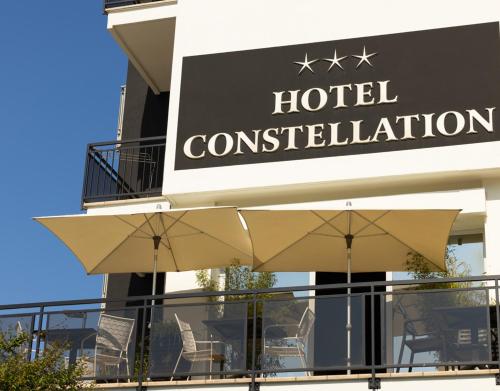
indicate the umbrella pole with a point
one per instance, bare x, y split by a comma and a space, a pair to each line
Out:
156, 241
348, 326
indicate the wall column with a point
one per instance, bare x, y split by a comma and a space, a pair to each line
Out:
492, 227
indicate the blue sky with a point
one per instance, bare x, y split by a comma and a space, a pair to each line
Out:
60, 77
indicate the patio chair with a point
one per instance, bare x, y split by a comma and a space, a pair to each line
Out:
294, 343
190, 351
24, 349
417, 338
111, 343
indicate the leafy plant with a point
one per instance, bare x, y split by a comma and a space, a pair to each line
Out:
237, 278
419, 268
48, 372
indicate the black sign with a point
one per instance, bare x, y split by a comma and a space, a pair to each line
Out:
365, 95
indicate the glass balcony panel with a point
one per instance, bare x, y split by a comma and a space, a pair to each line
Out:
311, 332
198, 338
12, 326
435, 327
104, 340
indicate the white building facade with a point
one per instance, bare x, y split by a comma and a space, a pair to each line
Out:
295, 104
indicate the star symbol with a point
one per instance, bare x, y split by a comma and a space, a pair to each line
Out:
305, 65
335, 61
364, 58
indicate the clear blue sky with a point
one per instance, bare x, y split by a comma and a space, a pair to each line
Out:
60, 77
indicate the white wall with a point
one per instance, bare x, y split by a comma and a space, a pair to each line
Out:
227, 25
492, 227
458, 383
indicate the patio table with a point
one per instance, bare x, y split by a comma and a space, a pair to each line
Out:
73, 336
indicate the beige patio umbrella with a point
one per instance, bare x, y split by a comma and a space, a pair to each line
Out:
347, 241
173, 240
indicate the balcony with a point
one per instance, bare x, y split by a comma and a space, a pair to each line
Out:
120, 170
402, 331
123, 3
145, 31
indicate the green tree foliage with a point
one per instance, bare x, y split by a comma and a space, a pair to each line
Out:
423, 300
237, 278
46, 373
419, 269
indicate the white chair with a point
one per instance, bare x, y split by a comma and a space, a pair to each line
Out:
190, 351
25, 349
294, 344
111, 343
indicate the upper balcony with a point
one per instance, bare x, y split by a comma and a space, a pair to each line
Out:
437, 334
120, 170
145, 31
123, 3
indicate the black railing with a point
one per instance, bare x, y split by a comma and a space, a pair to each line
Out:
121, 3
118, 170
426, 325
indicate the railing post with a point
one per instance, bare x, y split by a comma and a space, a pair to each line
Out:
253, 384
39, 331
85, 176
373, 382
143, 337
497, 316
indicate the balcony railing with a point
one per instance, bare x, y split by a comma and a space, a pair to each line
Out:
427, 325
118, 170
122, 3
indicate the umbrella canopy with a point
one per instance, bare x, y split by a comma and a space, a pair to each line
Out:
180, 239
316, 240
347, 241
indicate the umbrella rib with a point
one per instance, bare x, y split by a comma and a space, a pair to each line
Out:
328, 222
150, 225
403, 243
182, 235
370, 222
371, 235
165, 230
303, 236
169, 247
213, 237
141, 237
330, 236
133, 226
116, 247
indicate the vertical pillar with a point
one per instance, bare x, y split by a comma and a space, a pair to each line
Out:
492, 227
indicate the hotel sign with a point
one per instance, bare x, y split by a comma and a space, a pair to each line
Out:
366, 95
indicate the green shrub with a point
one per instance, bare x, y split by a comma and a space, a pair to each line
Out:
48, 372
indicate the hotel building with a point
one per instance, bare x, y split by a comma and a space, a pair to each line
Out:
294, 104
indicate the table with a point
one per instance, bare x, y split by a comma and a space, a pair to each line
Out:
73, 336
453, 319
232, 332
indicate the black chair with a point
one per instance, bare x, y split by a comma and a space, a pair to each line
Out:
417, 336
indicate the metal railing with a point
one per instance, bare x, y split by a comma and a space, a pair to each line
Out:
117, 170
425, 325
122, 3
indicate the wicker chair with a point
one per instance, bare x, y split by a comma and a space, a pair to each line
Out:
292, 345
111, 343
190, 351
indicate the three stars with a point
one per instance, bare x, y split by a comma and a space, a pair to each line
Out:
335, 61
364, 58
305, 65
